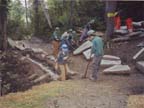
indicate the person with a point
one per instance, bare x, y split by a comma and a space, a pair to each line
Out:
67, 38
117, 22
97, 50
129, 25
55, 41
62, 61
74, 39
85, 30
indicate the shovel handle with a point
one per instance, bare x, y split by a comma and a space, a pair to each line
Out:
85, 74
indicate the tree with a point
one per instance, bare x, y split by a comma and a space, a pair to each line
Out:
3, 23
110, 8
45, 10
36, 17
26, 12
71, 13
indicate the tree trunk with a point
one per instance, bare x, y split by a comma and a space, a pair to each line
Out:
71, 13
26, 13
110, 8
36, 17
4, 34
0, 84
46, 13
3, 24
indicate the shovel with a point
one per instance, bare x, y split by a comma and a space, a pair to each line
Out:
86, 71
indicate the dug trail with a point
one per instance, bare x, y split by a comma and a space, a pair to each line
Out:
109, 91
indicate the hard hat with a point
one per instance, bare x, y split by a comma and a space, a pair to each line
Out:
92, 21
73, 31
57, 28
90, 32
64, 47
70, 30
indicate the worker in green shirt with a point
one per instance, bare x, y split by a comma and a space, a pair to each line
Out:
97, 50
55, 41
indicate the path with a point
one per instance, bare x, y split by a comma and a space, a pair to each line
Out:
108, 92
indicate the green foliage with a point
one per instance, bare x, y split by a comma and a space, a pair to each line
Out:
16, 21
63, 19
62, 13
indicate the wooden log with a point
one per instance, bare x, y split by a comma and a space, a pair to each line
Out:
42, 67
42, 78
121, 39
133, 34
138, 54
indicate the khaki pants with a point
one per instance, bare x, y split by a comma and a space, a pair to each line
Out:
63, 71
55, 45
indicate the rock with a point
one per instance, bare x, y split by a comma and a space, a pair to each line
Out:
117, 69
83, 47
87, 54
137, 55
140, 66
11, 43
110, 57
110, 62
16, 44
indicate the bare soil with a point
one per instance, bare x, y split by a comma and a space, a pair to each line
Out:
110, 91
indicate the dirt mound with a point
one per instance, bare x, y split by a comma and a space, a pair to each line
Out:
125, 50
14, 72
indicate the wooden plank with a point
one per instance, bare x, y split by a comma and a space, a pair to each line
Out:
42, 67
138, 54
